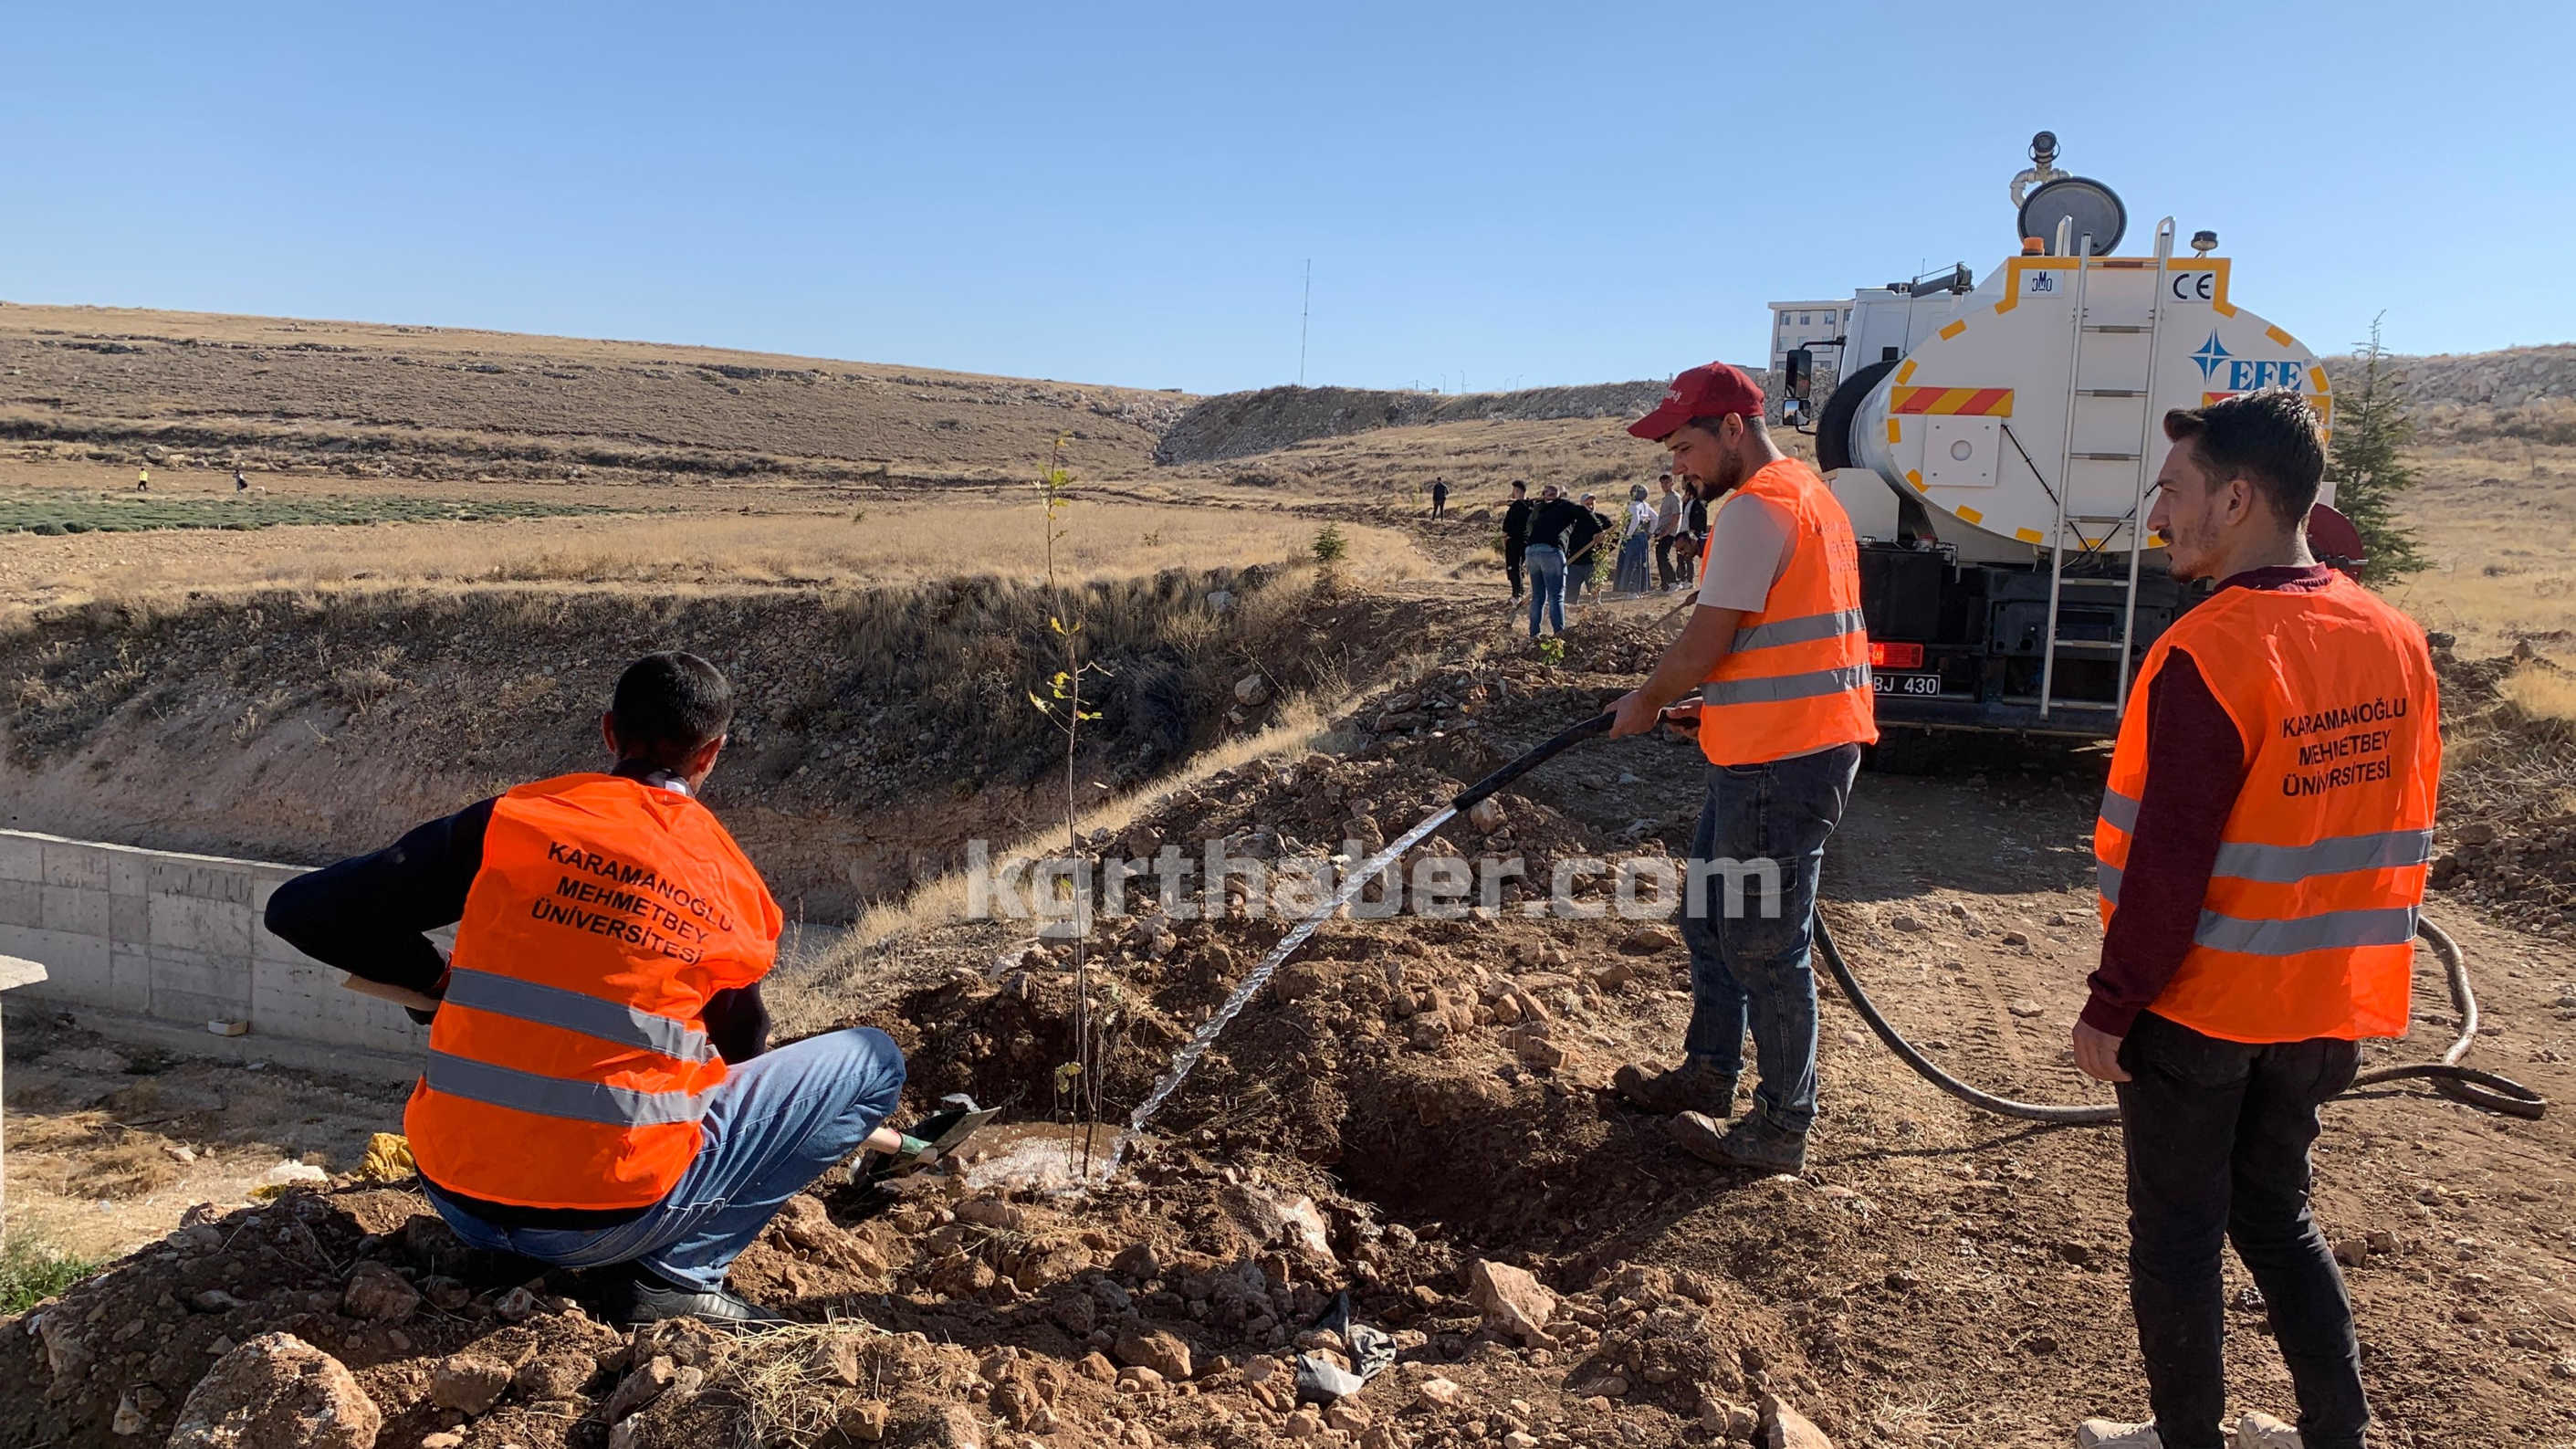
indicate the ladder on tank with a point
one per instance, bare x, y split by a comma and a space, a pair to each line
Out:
2068, 456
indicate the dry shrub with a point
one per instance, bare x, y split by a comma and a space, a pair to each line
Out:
2542, 693
130, 1168
782, 1386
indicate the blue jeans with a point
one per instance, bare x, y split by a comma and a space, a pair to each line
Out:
1547, 585
772, 1126
1750, 965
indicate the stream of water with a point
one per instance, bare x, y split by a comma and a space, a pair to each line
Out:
1352, 883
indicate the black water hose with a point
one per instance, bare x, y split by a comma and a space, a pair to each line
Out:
1531, 761
2467, 1085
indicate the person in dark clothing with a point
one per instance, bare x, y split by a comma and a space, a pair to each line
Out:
1516, 522
1552, 522
2260, 916
1582, 546
1694, 538
1439, 497
599, 1089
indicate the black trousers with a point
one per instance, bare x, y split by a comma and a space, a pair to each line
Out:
1512, 568
1664, 560
2217, 1134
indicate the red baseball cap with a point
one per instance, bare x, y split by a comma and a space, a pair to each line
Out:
1703, 392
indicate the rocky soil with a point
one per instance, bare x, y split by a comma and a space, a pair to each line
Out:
1413, 1114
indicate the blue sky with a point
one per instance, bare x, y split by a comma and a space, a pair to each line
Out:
1496, 194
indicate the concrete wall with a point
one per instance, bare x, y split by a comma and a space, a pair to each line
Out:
163, 943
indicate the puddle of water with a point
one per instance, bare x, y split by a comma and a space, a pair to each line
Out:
1036, 1157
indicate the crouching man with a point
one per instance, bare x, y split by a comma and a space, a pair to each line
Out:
599, 1093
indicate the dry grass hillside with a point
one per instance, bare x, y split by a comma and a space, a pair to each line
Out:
106, 385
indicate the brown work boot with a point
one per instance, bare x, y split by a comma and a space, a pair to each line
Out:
1694, 1086
1754, 1142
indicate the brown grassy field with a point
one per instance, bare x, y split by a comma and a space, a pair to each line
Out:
793, 541
375, 400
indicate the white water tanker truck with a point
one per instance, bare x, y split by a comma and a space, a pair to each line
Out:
1996, 443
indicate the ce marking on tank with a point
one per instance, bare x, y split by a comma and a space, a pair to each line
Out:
2193, 286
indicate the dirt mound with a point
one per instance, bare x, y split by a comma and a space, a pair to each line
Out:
2508, 797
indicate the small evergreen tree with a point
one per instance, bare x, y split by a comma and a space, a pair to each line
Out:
2373, 422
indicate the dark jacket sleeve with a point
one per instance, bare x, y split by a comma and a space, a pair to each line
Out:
738, 1023
2195, 768
366, 915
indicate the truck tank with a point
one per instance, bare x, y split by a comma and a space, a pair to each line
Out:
2027, 419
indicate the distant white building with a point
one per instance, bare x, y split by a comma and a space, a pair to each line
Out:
1805, 324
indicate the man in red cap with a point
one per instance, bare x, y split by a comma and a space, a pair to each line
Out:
1779, 661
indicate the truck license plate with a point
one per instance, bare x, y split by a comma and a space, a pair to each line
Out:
1905, 683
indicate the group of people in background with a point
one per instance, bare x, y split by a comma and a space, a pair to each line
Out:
1558, 540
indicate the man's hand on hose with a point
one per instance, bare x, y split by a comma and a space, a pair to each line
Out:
1681, 721
2097, 1054
1634, 714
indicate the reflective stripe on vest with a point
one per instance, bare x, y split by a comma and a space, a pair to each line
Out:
2306, 923
1785, 686
1799, 631
2290, 864
2379, 926
556, 1097
573, 1011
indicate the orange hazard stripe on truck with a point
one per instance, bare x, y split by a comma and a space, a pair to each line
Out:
1966, 402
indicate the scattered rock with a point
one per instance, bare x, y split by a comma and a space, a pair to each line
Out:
1785, 1428
378, 1292
992, 1212
1514, 1301
1437, 1393
641, 1387
1487, 815
557, 1375
518, 1305
468, 1382
864, 1421
1650, 941
2016, 938
1903, 921
1154, 1349
277, 1392
128, 1419
2352, 1252
2026, 1008
1252, 691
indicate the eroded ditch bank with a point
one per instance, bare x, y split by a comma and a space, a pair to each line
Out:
876, 731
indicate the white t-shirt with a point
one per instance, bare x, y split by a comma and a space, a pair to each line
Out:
1641, 517
1748, 550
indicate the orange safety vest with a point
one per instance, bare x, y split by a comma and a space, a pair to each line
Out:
1796, 679
569, 1063
2308, 928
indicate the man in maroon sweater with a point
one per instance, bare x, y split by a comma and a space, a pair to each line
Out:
2235, 969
